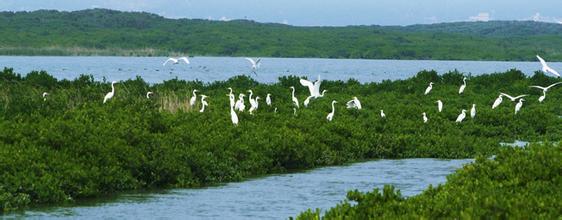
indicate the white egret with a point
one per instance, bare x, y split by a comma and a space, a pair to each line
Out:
239, 106
544, 90
232, 100
313, 88
148, 94
382, 114
230, 91
473, 111
428, 89
203, 103
268, 99
331, 114
295, 100
497, 102
461, 89
255, 64
193, 99
309, 98
546, 68
519, 105
254, 105
424, 117
250, 97
461, 116
513, 99
109, 95
176, 60
439, 105
294, 111
233, 115
354, 103
45, 94
275, 110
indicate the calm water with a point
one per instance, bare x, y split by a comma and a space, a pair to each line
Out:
273, 197
221, 68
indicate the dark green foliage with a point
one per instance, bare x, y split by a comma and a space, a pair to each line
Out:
72, 146
517, 184
107, 32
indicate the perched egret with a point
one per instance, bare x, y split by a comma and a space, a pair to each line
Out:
544, 90
148, 94
461, 116
519, 105
331, 114
354, 103
193, 99
45, 94
254, 105
233, 115
294, 111
513, 99
176, 60
498, 101
424, 117
268, 99
255, 64
203, 103
109, 95
230, 91
232, 100
250, 99
428, 89
239, 106
461, 89
275, 110
382, 114
439, 105
546, 68
295, 100
473, 111
314, 88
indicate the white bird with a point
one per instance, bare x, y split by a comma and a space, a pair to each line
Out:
424, 117
439, 105
428, 89
497, 102
250, 97
546, 68
354, 103
313, 88
295, 111
307, 100
268, 99
255, 64
544, 90
513, 99
109, 95
473, 111
254, 104
233, 115
232, 101
45, 94
148, 94
239, 106
461, 116
295, 100
331, 114
230, 91
461, 89
193, 99
176, 60
382, 114
519, 105
203, 103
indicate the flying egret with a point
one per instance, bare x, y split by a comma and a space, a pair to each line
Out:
546, 68
498, 101
424, 116
295, 100
331, 114
109, 95
428, 89
254, 105
193, 99
45, 94
255, 64
268, 99
354, 103
461, 116
513, 99
203, 103
239, 106
314, 88
519, 105
473, 111
307, 100
382, 114
148, 94
233, 115
439, 105
176, 60
461, 89
544, 90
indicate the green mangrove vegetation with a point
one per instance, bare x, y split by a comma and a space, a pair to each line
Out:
516, 184
70, 146
108, 32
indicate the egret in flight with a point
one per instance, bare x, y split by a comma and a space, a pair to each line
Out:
176, 60
382, 114
148, 94
193, 99
45, 94
461, 116
424, 117
314, 88
461, 89
239, 106
354, 103
546, 68
439, 105
513, 99
255, 64
109, 95
331, 114
307, 100
519, 105
233, 116
268, 99
473, 111
544, 90
428, 89
497, 102
293, 98
203, 103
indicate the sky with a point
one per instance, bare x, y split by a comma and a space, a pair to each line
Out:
320, 12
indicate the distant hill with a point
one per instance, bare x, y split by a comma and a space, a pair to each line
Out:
109, 32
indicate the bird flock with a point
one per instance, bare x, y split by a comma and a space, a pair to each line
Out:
314, 90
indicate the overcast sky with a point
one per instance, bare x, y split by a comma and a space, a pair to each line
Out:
320, 12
